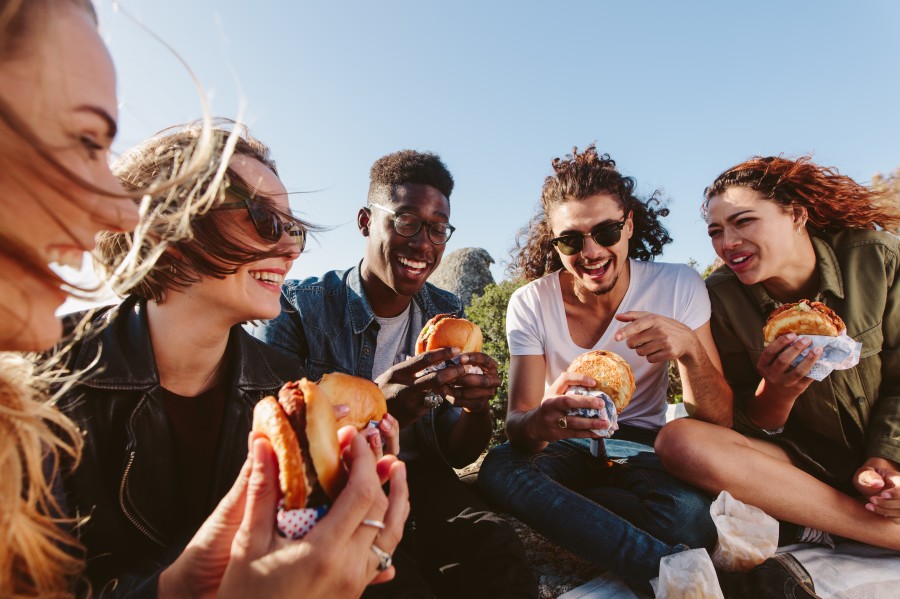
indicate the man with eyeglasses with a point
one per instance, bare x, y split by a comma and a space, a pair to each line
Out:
365, 321
588, 256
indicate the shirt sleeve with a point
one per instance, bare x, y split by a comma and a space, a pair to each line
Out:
694, 298
884, 423
522, 324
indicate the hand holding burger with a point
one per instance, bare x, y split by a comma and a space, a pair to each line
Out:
366, 410
614, 380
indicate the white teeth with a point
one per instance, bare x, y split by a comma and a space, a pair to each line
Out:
739, 260
70, 257
597, 266
268, 277
412, 263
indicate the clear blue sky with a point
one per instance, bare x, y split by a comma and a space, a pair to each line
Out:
674, 91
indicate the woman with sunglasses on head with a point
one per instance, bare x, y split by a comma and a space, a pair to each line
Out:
593, 285
817, 455
167, 408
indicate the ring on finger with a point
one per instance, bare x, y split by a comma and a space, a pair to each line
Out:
432, 400
373, 523
562, 422
384, 558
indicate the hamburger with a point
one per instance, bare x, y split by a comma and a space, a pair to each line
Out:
362, 396
612, 374
446, 331
302, 429
803, 318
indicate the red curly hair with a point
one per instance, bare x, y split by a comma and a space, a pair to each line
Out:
833, 201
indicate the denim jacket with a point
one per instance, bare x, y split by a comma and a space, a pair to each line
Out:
853, 414
328, 323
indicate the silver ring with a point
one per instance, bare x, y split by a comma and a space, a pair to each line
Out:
384, 558
432, 400
374, 523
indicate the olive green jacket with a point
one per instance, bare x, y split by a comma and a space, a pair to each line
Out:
853, 414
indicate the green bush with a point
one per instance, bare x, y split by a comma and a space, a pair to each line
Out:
488, 311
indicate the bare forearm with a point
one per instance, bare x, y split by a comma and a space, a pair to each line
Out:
519, 432
707, 395
768, 409
468, 437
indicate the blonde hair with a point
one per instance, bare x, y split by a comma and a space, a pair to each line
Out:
38, 556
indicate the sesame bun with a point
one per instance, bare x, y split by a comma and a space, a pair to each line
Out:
446, 331
363, 397
803, 318
612, 374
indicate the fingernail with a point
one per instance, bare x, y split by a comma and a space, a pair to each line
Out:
818, 351
886, 495
376, 440
343, 409
386, 425
791, 336
870, 507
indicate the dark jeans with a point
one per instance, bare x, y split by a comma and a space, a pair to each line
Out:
453, 545
625, 516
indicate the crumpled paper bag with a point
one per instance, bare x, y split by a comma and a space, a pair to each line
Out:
747, 535
687, 575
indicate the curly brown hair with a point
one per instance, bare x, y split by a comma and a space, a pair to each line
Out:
577, 177
833, 201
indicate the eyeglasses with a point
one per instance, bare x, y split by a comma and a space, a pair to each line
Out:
408, 225
607, 234
266, 221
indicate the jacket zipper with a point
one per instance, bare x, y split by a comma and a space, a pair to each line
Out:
131, 517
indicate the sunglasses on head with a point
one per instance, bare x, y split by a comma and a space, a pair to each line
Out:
606, 234
266, 221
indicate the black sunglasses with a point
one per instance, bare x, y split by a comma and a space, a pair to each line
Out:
408, 225
267, 222
607, 234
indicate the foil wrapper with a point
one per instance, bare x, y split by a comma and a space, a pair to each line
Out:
296, 524
598, 449
608, 410
454, 360
838, 353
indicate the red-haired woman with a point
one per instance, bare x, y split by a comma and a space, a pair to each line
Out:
821, 455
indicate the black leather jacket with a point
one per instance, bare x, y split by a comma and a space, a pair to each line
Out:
126, 482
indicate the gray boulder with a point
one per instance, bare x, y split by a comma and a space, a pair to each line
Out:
465, 272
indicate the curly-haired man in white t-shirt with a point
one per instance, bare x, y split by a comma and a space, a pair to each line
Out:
592, 285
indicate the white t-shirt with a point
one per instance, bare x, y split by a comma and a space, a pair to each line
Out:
536, 325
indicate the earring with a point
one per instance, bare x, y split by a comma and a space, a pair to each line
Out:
172, 269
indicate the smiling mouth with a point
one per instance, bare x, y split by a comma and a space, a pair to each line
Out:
598, 268
70, 256
739, 259
272, 278
417, 266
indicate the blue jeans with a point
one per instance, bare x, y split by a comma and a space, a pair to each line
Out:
625, 516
